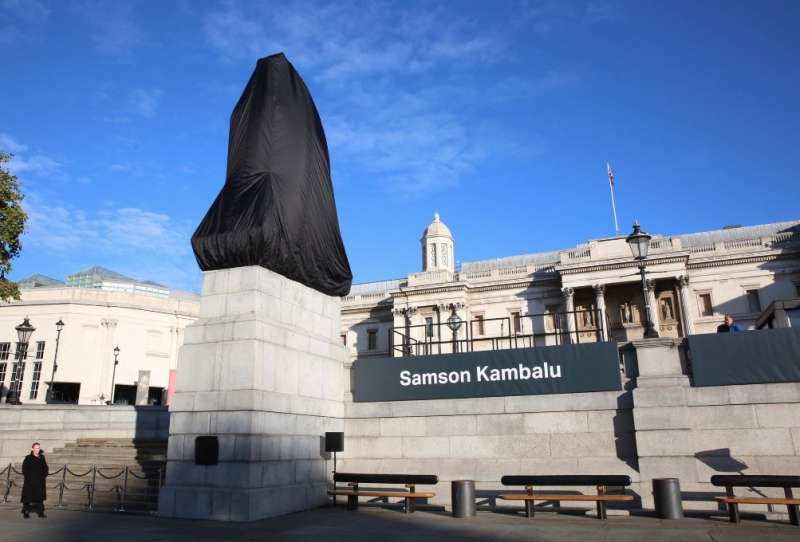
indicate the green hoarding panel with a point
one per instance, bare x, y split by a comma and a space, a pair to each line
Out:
751, 357
526, 371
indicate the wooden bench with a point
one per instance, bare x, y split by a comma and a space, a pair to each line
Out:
732, 502
409, 494
602, 498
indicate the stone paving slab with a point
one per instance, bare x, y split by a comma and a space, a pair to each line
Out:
382, 525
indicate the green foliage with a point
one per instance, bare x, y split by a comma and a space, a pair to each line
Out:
12, 224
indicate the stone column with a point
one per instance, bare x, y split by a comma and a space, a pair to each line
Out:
686, 317
143, 388
661, 416
569, 308
651, 299
600, 303
262, 370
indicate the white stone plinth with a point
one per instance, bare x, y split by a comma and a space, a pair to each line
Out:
263, 370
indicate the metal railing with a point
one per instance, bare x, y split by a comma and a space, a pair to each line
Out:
508, 332
145, 498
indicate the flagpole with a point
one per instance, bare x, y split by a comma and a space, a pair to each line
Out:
613, 199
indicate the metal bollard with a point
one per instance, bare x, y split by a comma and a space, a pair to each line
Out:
463, 498
667, 497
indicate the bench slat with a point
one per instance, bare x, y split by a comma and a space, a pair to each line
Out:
566, 480
398, 494
605, 498
755, 480
757, 500
371, 478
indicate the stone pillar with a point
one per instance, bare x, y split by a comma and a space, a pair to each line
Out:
686, 317
600, 303
143, 387
262, 370
569, 308
661, 415
651, 300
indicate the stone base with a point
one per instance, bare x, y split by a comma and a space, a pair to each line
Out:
263, 370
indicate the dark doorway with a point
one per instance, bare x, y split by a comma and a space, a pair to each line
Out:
124, 394
155, 396
65, 393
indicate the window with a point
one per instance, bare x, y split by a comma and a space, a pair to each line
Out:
22, 351
344, 339
753, 302
37, 373
429, 327
2, 374
433, 255
17, 374
5, 350
704, 301
40, 350
516, 322
479, 324
372, 339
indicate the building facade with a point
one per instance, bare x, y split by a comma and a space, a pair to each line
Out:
146, 326
583, 294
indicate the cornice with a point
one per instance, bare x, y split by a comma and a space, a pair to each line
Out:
622, 264
736, 261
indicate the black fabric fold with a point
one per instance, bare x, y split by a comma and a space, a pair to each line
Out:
277, 208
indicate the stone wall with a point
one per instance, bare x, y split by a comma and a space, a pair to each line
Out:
693, 433
662, 427
55, 425
486, 438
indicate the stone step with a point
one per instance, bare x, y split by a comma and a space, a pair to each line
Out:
83, 459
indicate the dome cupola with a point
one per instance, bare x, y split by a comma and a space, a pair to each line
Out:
438, 252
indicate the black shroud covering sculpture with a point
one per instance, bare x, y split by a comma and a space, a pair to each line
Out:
277, 208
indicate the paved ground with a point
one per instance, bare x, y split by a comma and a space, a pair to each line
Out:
380, 525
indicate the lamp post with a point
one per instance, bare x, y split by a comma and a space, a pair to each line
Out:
454, 323
639, 242
24, 332
59, 327
114, 372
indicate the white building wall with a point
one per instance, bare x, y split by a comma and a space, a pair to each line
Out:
148, 331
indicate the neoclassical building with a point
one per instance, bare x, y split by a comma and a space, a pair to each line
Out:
100, 310
587, 293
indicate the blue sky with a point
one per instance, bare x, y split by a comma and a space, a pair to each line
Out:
498, 115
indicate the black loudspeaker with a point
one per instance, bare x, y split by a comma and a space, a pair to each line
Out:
334, 441
206, 451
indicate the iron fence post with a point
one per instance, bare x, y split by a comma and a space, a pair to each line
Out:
124, 491
61, 488
92, 487
8, 484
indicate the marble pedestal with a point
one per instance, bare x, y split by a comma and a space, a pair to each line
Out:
262, 369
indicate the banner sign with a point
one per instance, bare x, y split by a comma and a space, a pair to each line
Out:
750, 357
525, 371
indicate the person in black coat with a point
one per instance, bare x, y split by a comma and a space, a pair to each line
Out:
34, 490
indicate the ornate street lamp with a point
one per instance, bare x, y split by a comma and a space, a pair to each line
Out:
454, 323
24, 332
114, 373
59, 327
639, 242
